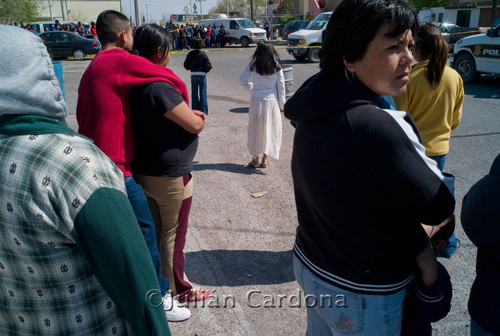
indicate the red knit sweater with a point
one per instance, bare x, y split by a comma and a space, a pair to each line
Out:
103, 108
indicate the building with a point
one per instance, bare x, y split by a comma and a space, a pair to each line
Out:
461, 13
75, 10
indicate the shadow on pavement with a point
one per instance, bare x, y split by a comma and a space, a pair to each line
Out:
239, 267
239, 110
228, 167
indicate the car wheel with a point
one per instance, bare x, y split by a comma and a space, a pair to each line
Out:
79, 53
466, 67
245, 42
301, 58
313, 54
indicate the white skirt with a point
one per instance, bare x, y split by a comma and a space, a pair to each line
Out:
264, 127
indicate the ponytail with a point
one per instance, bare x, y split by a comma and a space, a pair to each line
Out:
433, 48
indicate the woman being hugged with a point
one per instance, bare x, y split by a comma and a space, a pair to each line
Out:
166, 139
264, 77
434, 94
362, 181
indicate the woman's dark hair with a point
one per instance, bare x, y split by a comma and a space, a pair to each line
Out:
149, 38
433, 47
355, 23
265, 60
109, 24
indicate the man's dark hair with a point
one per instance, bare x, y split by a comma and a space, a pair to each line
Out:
109, 25
265, 60
149, 38
355, 23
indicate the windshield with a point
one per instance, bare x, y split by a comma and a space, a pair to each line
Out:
319, 22
246, 23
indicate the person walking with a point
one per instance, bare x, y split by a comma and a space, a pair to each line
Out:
362, 182
72, 258
166, 139
198, 63
103, 115
264, 77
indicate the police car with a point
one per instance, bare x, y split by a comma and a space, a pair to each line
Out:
478, 54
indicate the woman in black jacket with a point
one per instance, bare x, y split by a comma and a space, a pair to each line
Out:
362, 182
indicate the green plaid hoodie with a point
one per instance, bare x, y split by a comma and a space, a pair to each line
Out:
72, 258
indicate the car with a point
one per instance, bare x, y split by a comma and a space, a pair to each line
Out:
293, 26
62, 44
306, 43
478, 54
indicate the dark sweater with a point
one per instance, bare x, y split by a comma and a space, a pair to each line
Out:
362, 187
480, 219
197, 61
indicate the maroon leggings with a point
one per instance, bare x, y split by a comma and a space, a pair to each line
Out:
182, 286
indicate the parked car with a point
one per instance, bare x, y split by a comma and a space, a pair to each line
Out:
477, 54
62, 44
293, 26
452, 33
306, 43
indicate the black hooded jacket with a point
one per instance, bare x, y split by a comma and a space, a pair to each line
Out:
362, 186
481, 222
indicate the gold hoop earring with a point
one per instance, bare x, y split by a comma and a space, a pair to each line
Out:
349, 75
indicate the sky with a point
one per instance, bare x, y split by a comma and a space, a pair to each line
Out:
156, 9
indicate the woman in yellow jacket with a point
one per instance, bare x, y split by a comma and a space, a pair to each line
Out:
434, 94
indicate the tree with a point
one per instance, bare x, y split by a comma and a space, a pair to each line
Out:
419, 4
18, 10
286, 7
226, 6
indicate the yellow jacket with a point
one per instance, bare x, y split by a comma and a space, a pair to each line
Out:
435, 112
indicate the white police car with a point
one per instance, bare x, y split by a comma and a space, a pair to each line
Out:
478, 54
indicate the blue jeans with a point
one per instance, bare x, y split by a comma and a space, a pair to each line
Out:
477, 330
335, 311
199, 93
140, 206
440, 160
449, 180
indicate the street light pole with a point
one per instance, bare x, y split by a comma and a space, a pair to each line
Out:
62, 10
137, 17
251, 10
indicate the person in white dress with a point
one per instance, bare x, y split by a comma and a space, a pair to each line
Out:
264, 77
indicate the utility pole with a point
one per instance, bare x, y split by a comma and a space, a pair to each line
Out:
62, 10
251, 10
50, 11
137, 17
147, 13
493, 12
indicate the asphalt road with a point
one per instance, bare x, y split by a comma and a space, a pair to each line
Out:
240, 247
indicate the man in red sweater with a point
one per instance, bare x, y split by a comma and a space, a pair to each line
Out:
103, 115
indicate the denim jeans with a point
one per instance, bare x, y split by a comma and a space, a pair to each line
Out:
440, 160
140, 206
334, 311
449, 180
199, 93
477, 330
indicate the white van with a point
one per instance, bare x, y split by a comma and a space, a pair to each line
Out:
238, 30
39, 26
311, 36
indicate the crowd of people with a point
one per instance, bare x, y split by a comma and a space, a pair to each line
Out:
183, 37
375, 208
79, 28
